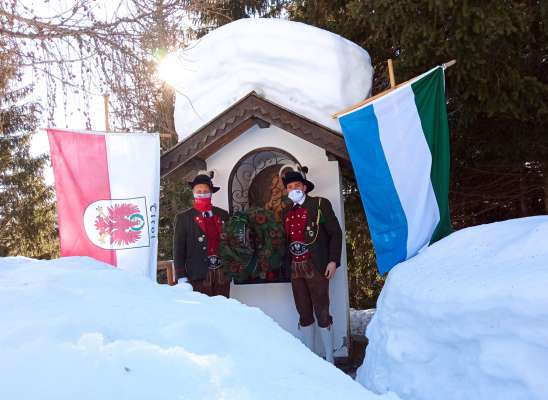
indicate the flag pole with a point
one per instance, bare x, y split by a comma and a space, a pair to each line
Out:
391, 74
105, 102
393, 87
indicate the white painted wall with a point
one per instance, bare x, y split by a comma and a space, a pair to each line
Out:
276, 299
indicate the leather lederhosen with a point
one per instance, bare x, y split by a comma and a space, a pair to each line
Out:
311, 294
310, 288
215, 284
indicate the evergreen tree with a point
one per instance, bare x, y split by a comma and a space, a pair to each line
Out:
497, 95
215, 13
175, 196
27, 212
498, 92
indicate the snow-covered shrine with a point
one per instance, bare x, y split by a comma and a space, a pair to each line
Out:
254, 95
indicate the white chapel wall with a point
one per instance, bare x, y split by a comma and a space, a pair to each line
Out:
276, 299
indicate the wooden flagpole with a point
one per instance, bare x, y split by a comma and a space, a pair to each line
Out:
391, 74
105, 102
393, 87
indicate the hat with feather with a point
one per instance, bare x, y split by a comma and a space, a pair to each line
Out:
204, 177
295, 173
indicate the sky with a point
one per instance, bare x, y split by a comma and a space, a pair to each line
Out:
75, 121
73, 118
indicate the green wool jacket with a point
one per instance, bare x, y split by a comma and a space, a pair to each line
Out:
327, 246
190, 244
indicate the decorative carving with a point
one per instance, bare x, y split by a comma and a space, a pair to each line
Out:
249, 111
188, 170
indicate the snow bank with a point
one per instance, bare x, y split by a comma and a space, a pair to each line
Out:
466, 319
306, 69
75, 328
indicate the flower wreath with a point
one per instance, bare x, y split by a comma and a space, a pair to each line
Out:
252, 246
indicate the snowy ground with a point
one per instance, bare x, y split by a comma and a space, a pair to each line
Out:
78, 329
466, 319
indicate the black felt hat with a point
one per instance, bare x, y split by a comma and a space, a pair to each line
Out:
295, 173
204, 177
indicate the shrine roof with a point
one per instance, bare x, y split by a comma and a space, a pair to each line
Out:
252, 109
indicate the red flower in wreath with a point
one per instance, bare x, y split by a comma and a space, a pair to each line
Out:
264, 264
260, 219
270, 276
235, 267
276, 242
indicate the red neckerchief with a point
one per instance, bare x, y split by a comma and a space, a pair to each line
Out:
203, 204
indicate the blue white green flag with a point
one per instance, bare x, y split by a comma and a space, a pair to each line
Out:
399, 148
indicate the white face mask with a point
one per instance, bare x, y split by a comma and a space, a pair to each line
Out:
202, 195
296, 195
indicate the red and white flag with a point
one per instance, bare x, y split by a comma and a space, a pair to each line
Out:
107, 187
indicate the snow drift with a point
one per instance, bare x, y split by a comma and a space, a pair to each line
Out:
75, 328
466, 319
306, 69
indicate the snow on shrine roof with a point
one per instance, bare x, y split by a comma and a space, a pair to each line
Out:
308, 70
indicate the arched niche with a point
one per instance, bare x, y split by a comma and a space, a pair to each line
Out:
254, 181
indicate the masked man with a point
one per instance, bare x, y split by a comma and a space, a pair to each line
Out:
315, 241
196, 240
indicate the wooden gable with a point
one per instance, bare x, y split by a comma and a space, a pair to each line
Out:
189, 155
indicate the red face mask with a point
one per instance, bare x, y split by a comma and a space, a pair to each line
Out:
203, 204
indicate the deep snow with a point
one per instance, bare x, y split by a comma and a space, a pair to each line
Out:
306, 69
75, 328
466, 319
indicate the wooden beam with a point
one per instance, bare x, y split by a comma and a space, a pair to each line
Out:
167, 265
366, 101
384, 93
331, 156
186, 171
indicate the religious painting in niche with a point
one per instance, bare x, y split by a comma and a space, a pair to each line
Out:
255, 185
267, 191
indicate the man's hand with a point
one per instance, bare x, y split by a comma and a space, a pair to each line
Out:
330, 270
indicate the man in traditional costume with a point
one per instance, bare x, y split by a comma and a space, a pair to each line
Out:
197, 238
314, 237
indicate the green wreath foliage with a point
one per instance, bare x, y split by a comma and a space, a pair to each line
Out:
252, 246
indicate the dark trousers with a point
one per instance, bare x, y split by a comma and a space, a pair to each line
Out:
311, 294
215, 284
